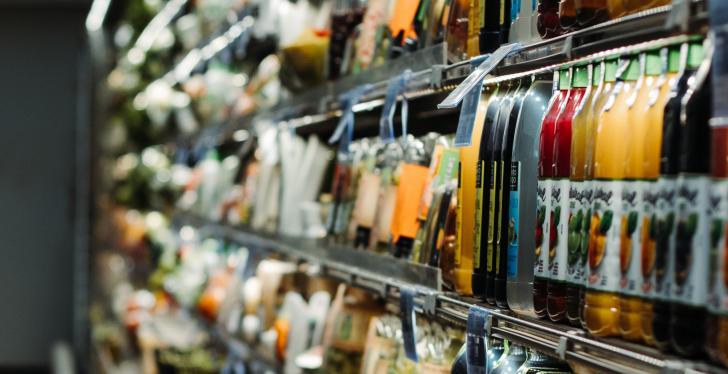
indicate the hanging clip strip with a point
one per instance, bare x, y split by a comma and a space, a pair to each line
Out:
476, 337
679, 17
458, 94
346, 122
397, 86
409, 325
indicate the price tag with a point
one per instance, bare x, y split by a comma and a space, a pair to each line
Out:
475, 335
466, 122
346, 122
409, 327
397, 86
476, 77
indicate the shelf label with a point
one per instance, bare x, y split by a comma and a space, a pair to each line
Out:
475, 342
346, 122
409, 325
476, 77
397, 86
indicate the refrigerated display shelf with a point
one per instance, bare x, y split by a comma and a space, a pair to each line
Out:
317, 109
386, 276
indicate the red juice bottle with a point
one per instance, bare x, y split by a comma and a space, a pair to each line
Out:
559, 251
544, 235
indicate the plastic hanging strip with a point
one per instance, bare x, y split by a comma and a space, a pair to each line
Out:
346, 122
396, 87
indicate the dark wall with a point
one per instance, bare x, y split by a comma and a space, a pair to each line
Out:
40, 51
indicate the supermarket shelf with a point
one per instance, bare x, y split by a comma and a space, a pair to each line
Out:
387, 276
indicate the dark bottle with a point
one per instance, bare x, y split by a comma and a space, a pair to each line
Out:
692, 232
494, 213
482, 196
490, 31
591, 12
494, 353
505, 20
567, 15
512, 359
544, 237
667, 192
538, 362
548, 23
558, 284
506, 228
346, 15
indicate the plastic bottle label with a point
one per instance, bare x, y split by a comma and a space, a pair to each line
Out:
513, 220
604, 235
577, 214
665, 238
718, 275
477, 236
558, 246
648, 239
491, 219
692, 230
500, 217
543, 206
630, 252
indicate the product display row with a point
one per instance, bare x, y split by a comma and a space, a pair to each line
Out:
576, 195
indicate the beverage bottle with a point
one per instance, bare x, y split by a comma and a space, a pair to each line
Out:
548, 23
482, 194
543, 193
506, 186
446, 245
717, 343
579, 197
466, 204
560, 214
601, 305
496, 179
692, 230
523, 28
505, 20
537, 362
605, 81
456, 33
388, 162
490, 32
667, 194
346, 15
513, 357
567, 15
522, 205
651, 171
616, 8
591, 12
634, 235
494, 353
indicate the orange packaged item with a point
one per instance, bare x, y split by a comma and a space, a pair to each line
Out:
404, 225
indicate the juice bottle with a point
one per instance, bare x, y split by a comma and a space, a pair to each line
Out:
506, 183
560, 214
616, 8
579, 196
605, 76
567, 15
548, 23
651, 164
490, 32
522, 29
591, 12
692, 230
522, 206
601, 305
466, 204
633, 233
456, 33
496, 178
543, 192
666, 196
482, 195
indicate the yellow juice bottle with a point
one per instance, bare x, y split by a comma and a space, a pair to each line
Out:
653, 288
633, 233
579, 202
466, 203
601, 309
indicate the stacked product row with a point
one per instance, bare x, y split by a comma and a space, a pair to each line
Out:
586, 198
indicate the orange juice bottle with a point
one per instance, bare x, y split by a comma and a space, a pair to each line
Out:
616, 8
606, 76
670, 61
601, 308
579, 197
633, 234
